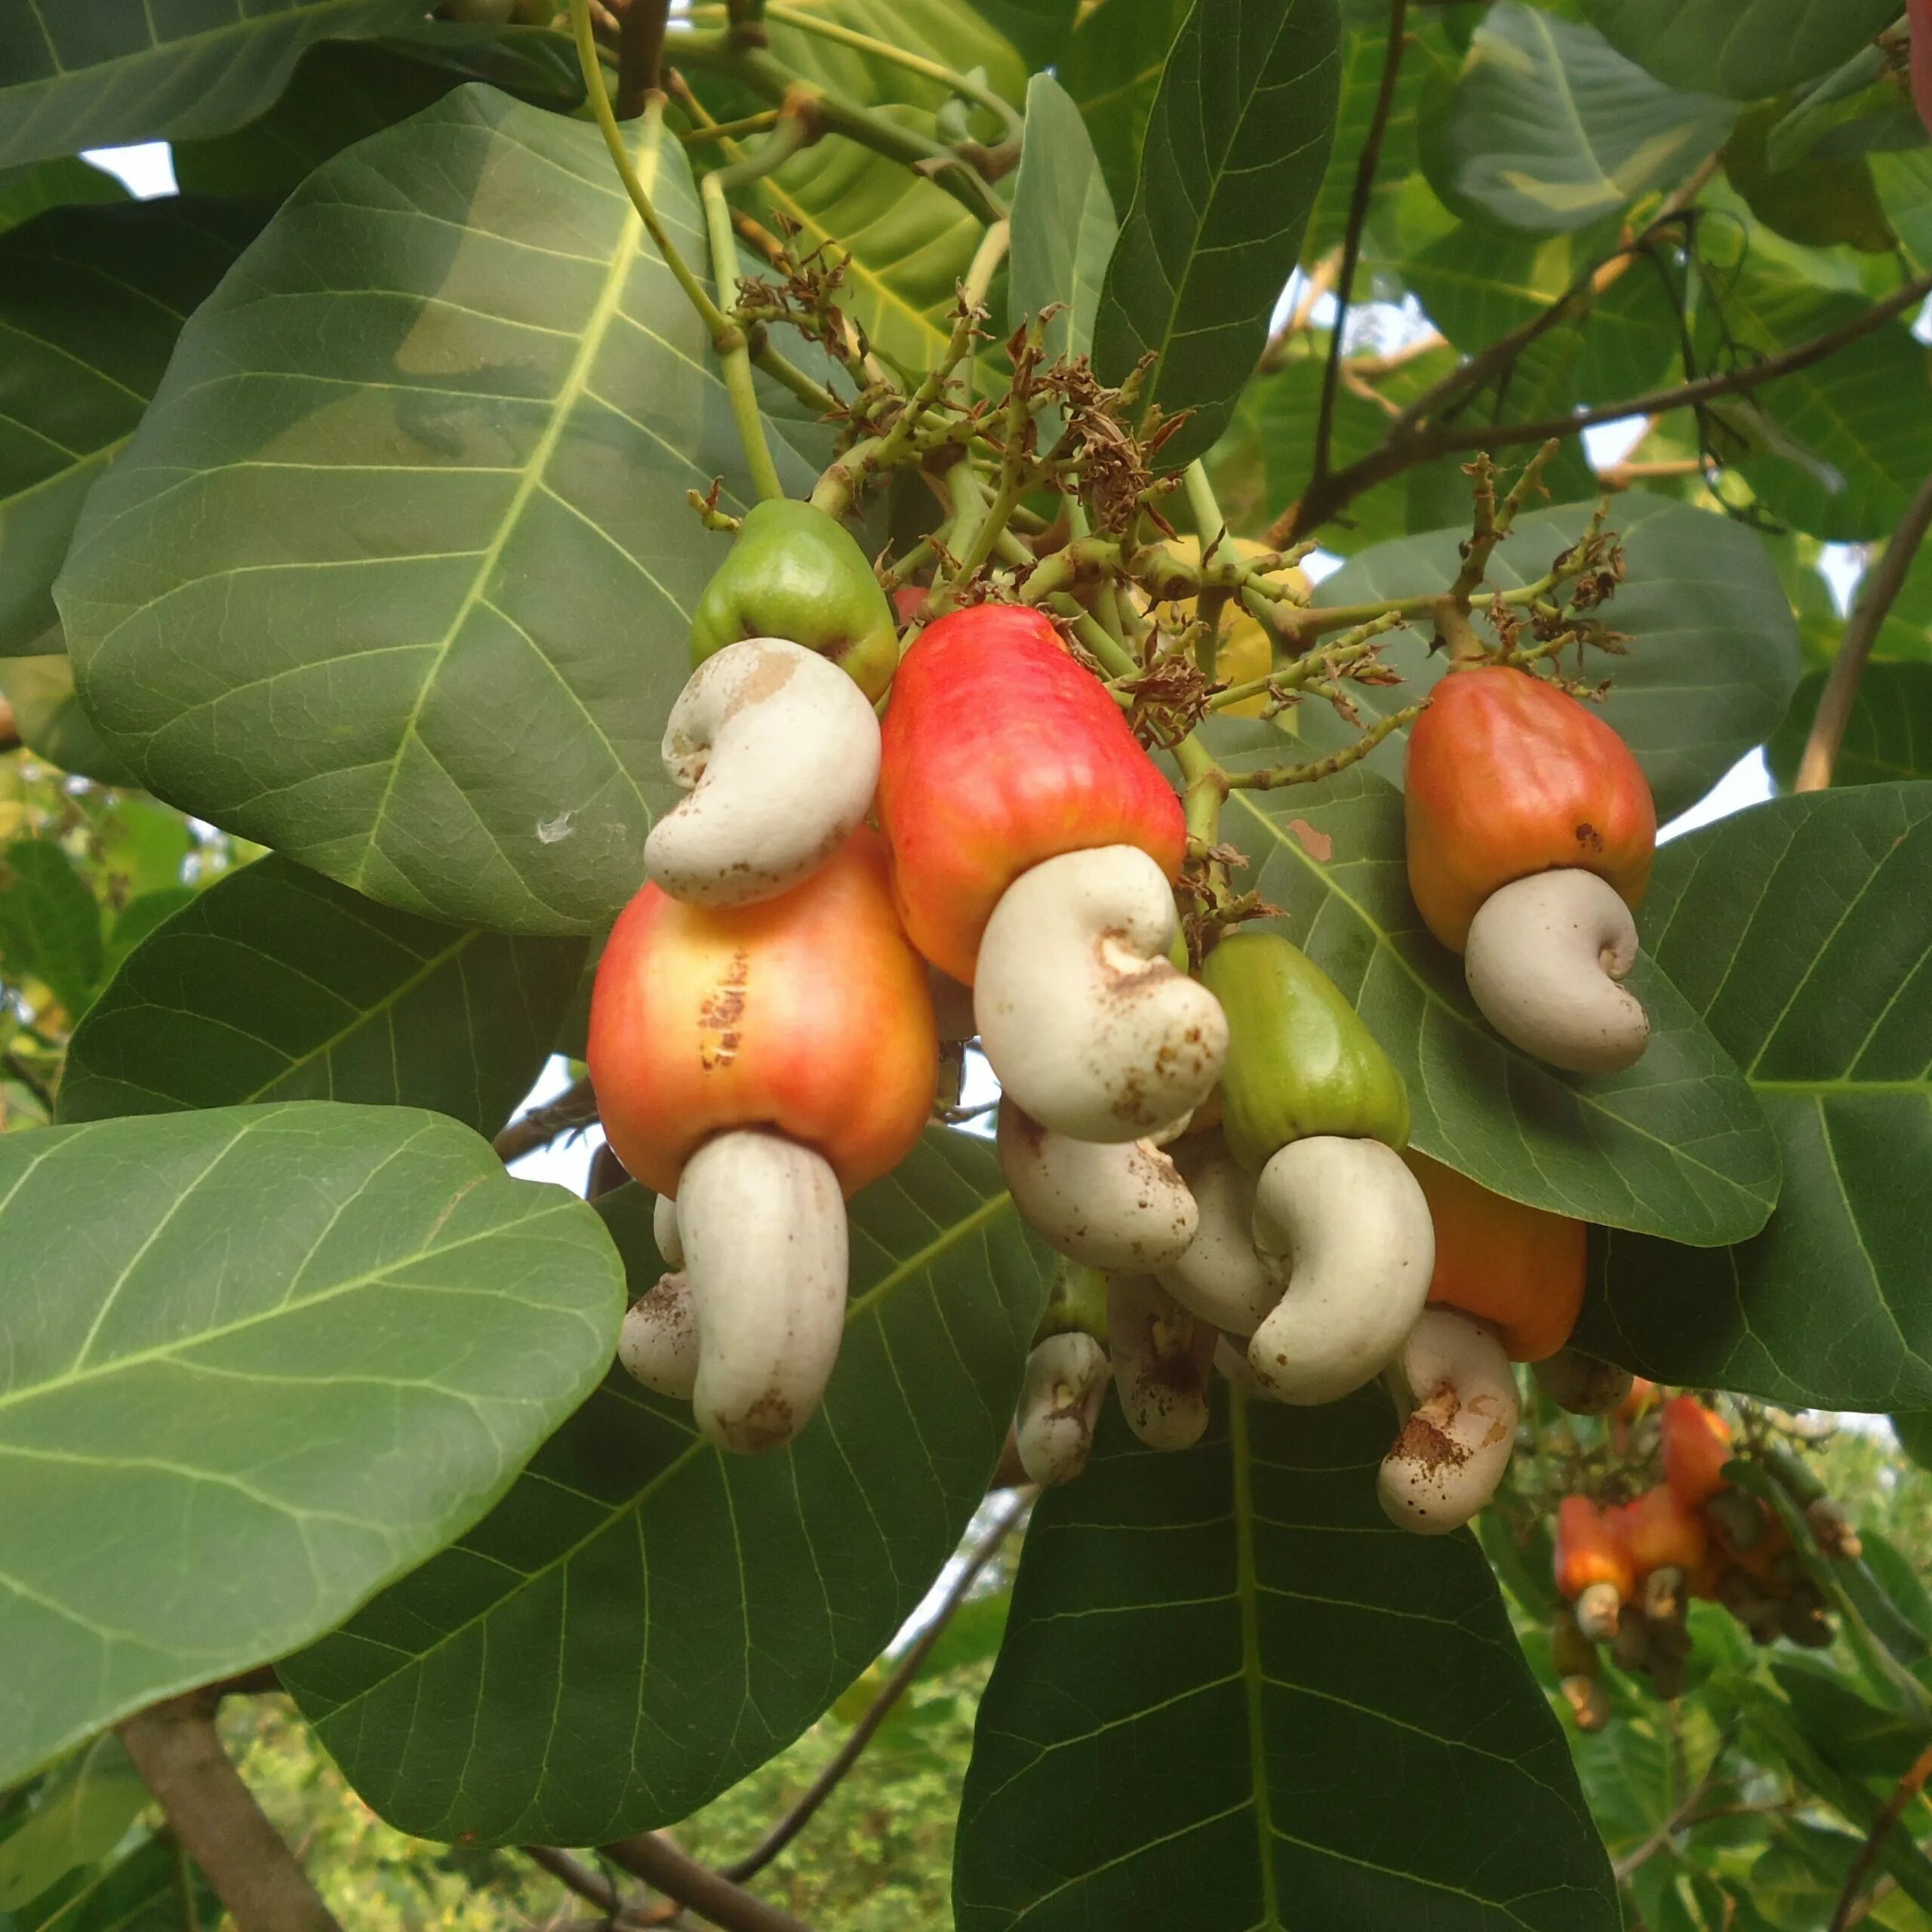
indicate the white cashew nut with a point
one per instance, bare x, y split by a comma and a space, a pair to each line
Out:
1085, 1020
1456, 1442
1059, 1403
664, 1231
1161, 1356
657, 1344
764, 1228
1543, 960
1220, 1277
1343, 1226
779, 750
1107, 1204
1231, 1360
1585, 1385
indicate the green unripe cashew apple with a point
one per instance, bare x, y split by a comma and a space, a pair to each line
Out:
795, 572
1300, 1062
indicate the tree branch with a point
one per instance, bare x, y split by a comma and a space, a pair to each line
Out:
1903, 1792
1359, 196
573, 1109
640, 55
654, 1858
1319, 503
1880, 592
175, 1748
822, 1787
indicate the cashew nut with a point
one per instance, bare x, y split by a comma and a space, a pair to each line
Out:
664, 1231
1086, 1022
1543, 960
657, 1344
1119, 1204
1059, 1403
1343, 1227
1219, 1276
1456, 1442
779, 751
764, 1227
1585, 1385
1160, 1360
1232, 1363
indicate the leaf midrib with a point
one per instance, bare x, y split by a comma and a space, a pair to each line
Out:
889, 1283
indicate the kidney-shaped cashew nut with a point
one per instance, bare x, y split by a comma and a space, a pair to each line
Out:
664, 1231
1060, 1402
1543, 960
764, 1227
1453, 1448
1107, 1204
1219, 1276
1161, 1356
1342, 1226
779, 751
1081, 1013
657, 1344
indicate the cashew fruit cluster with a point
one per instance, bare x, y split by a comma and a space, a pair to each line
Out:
1629, 1570
1531, 832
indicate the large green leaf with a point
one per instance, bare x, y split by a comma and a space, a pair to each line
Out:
49, 923
299, 1347
1847, 438
1713, 652
277, 984
91, 300
1675, 1146
150, 1888
80, 1815
1365, 45
1549, 127
49, 720
1112, 69
37, 185
1904, 182
1802, 930
1062, 223
1227, 1681
1239, 137
396, 577
1888, 736
1745, 49
1040, 30
93, 73
644, 1619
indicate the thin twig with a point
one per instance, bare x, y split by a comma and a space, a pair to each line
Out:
908, 1668
577, 1877
1880, 592
175, 1749
1679, 1818
1400, 453
1359, 196
1903, 1792
654, 1858
573, 1110
640, 55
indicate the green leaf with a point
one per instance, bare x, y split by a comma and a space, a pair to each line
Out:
1888, 736
49, 720
1819, 200
79, 1815
95, 73
1675, 1146
561, 1673
145, 1891
396, 575
1713, 655
1743, 49
1064, 224
1365, 44
1239, 134
1802, 931
38, 185
1040, 30
1547, 127
91, 300
49, 925
1904, 182
1914, 1430
1225, 1679
305, 1345
1837, 447
277, 984
1112, 70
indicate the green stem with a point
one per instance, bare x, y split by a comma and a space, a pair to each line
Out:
1273, 777
1208, 521
607, 121
733, 352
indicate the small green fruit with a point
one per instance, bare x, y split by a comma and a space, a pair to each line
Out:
795, 572
1299, 1060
